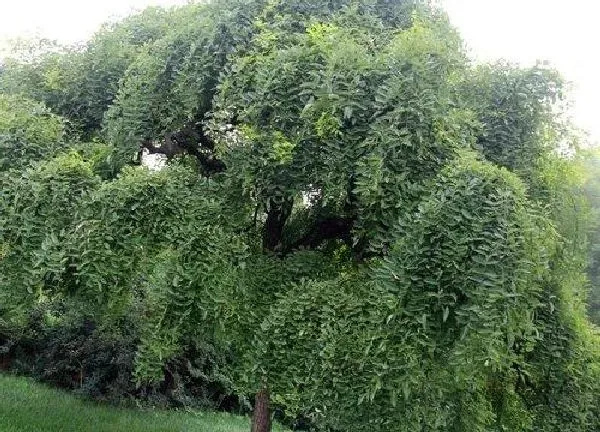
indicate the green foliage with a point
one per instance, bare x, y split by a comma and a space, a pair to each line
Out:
37, 207
36, 69
564, 391
103, 63
263, 279
353, 217
592, 194
171, 83
59, 346
434, 336
417, 122
80, 83
28, 132
517, 108
101, 158
341, 103
153, 244
114, 251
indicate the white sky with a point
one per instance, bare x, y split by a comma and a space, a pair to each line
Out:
566, 33
65, 20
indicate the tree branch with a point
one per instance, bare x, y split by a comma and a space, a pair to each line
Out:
277, 216
190, 139
326, 229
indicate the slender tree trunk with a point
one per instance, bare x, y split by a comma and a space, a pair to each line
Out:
261, 420
277, 216
5, 362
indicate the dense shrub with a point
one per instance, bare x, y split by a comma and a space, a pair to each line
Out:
80, 82
70, 351
75, 354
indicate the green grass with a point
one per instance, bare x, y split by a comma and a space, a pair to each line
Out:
27, 406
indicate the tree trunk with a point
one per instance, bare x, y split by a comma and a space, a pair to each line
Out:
277, 216
5, 362
261, 420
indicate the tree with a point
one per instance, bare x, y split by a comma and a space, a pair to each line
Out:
80, 82
380, 235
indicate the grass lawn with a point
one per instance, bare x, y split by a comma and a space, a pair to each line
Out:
26, 406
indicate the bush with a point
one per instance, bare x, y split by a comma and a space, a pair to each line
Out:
61, 346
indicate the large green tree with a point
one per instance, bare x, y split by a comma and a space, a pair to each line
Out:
379, 234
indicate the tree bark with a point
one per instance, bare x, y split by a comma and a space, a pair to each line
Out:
326, 229
277, 216
261, 420
190, 139
5, 362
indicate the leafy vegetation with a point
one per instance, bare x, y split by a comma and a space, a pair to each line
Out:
357, 230
28, 132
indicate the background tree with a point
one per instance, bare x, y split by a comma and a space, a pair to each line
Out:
592, 193
80, 82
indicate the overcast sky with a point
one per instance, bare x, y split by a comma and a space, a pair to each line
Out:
566, 33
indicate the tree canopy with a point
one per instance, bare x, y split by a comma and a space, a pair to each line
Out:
357, 224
